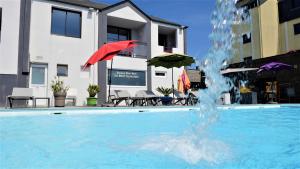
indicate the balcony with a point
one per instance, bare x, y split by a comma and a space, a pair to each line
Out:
139, 51
249, 3
167, 38
119, 29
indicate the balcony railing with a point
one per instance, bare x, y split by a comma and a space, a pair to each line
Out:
140, 51
168, 49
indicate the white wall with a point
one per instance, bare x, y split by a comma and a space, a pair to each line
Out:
157, 50
127, 13
9, 43
55, 49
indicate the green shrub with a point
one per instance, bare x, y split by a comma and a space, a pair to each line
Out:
58, 86
164, 91
93, 90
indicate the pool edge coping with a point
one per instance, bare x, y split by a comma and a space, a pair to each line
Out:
125, 110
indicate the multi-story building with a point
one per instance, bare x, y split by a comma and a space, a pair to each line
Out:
273, 34
41, 39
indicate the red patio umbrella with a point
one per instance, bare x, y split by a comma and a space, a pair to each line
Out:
107, 52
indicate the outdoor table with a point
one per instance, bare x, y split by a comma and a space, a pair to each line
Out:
42, 98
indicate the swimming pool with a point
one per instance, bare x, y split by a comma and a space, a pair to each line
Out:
241, 138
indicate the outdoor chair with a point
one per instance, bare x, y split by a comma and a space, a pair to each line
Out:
120, 96
20, 94
123, 95
193, 98
149, 97
180, 98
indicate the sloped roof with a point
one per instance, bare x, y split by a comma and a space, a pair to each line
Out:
161, 20
194, 75
84, 3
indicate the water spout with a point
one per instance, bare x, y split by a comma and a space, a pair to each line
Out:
195, 147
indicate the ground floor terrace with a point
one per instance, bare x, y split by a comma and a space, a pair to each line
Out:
284, 85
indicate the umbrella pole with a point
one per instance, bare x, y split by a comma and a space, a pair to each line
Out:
173, 82
109, 83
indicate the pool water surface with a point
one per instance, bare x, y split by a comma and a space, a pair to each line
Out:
240, 138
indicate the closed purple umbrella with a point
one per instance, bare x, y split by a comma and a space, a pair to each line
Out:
274, 66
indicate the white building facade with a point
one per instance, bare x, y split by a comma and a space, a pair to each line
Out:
56, 38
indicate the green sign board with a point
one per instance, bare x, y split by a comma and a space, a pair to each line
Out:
127, 77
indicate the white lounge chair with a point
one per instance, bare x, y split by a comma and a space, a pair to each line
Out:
180, 98
120, 96
123, 95
20, 94
149, 97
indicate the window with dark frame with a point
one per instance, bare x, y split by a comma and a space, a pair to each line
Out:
62, 70
295, 4
118, 34
160, 74
162, 40
246, 38
66, 23
115, 34
0, 22
297, 29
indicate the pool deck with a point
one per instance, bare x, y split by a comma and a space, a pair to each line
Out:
127, 110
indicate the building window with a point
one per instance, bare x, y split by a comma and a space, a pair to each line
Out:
38, 75
115, 34
160, 74
62, 70
162, 40
167, 38
297, 29
66, 23
295, 4
0, 22
247, 38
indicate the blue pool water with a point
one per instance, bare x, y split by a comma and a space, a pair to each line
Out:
252, 139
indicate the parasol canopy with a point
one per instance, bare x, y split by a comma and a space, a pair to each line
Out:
109, 50
274, 66
171, 60
237, 70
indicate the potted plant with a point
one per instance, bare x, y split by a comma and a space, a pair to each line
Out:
59, 92
93, 90
166, 100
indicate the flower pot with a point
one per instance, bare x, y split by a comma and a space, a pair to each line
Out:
59, 99
166, 100
91, 101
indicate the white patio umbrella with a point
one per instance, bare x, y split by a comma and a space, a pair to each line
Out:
237, 70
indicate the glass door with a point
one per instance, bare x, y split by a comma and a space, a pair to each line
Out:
39, 81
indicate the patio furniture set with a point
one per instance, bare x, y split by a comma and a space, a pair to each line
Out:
26, 94
148, 98
141, 98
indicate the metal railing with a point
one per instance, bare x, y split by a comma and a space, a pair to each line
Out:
140, 51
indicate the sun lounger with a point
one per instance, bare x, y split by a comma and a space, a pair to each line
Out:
180, 98
120, 96
193, 98
123, 95
20, 94
149, 97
